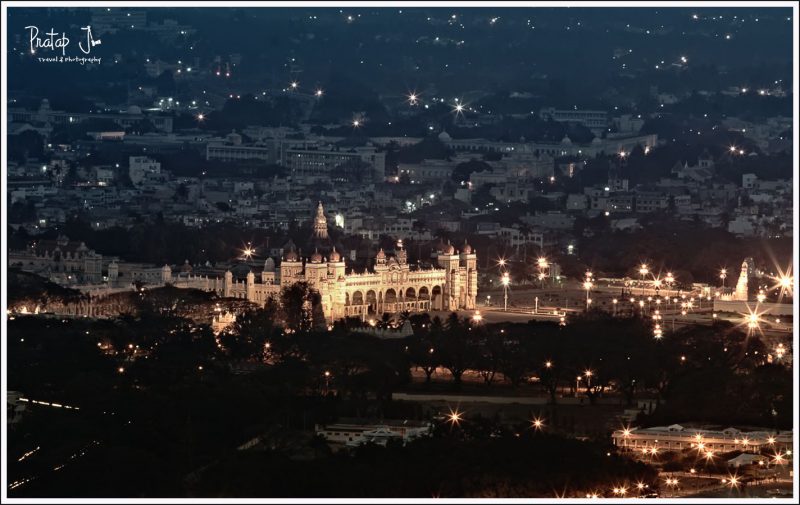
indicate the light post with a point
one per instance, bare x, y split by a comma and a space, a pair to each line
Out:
723, 274
327, 381
614, 304
543, 265
643, 270
670, 280
587, 285
577, 385
505, 280
536, 306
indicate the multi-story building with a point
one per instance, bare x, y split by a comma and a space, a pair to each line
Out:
678, 438
356, 432
592, 119
391, 286
649, 201
62, 260
112, 20
313, 163
45, 115
269, 149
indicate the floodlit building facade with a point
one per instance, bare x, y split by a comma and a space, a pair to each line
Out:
679, 438
392, 285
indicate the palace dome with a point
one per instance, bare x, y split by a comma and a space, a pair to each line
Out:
316, 257
335, 256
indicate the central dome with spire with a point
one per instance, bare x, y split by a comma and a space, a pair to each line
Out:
320, 223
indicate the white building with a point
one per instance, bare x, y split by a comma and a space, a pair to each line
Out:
141, 168
592, 119
678, 438
356, 433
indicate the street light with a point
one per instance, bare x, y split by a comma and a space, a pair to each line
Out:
723, 274
455, 417
587, 285
643, 270
614, 304
505, 280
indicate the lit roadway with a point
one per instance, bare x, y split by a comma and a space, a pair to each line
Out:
572, 299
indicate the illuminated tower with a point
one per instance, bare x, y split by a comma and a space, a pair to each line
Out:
320, 223
741, 292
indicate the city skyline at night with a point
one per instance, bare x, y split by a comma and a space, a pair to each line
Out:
393, 250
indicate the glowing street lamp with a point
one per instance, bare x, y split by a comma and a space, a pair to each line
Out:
587, 285
643, 270
477, 317
752, 320
784, 282
455, 417
505, 281
723, 274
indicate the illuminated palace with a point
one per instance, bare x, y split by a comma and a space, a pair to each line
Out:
391, 286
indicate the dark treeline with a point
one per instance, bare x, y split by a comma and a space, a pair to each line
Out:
158, 396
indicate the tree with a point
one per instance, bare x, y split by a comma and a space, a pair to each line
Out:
299, 302
485, 353
28, 144
165, 83
463, 170
454, 346
248, 336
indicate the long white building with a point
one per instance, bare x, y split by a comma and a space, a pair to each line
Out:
678, 438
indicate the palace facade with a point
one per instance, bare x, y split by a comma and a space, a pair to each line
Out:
392, 285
